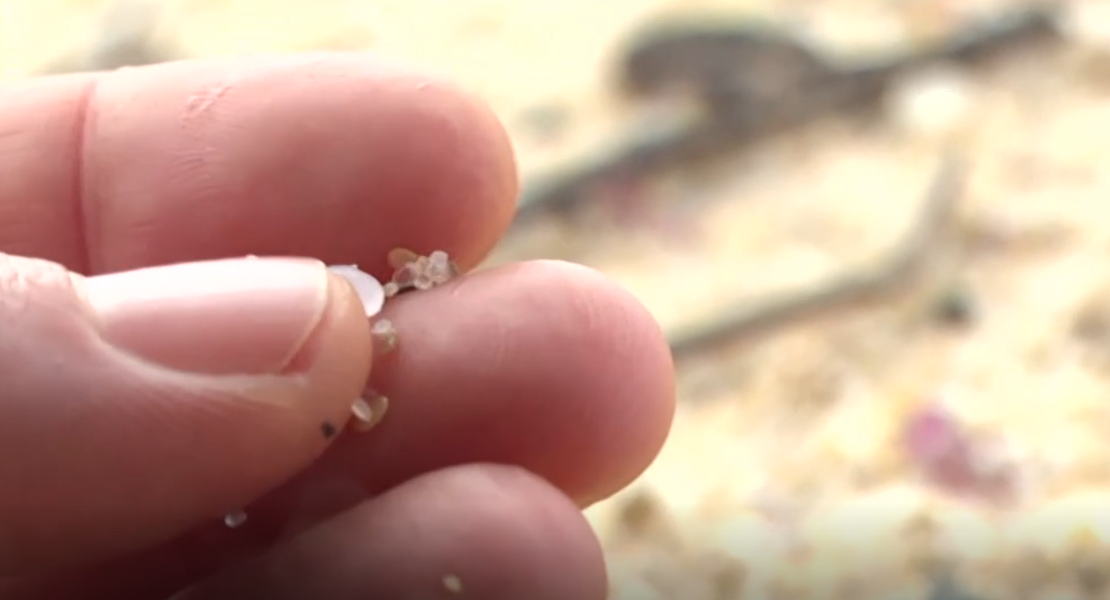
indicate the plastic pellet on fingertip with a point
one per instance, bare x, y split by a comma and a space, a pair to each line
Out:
384, 335
369, 289
368, 412
399, 257
452, 584
440, 267
235, 518
420, 272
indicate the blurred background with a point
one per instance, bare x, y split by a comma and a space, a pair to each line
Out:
873, 230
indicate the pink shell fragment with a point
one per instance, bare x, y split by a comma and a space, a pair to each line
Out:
955, 459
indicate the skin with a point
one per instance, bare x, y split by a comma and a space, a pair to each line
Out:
519, 394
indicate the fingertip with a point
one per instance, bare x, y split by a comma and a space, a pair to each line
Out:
636, 374
502, 530
480, 531
335, 361
337, 356
126, 427
546, 364
491, 153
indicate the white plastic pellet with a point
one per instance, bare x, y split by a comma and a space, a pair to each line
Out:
235, 518
384, 335
369, 412
452, 584
369, 289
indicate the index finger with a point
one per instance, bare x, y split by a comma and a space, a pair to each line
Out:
337, 156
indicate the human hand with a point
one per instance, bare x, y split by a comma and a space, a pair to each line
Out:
137, 409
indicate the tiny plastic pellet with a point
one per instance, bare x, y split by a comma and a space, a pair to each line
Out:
235, 518
369, 289
452, 584
385, 336
399, 257
369, 412
421, 272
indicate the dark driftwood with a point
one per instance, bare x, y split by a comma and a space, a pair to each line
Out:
890, 276
741, 110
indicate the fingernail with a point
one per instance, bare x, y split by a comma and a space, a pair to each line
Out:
239, 316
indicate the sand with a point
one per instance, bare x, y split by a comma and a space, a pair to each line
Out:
783, 477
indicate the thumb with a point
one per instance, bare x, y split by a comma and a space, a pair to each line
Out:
136, 405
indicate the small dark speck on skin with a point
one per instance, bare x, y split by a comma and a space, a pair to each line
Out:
328, 430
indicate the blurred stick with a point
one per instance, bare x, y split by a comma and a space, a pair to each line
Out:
732, 121
125, 38
899, 272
